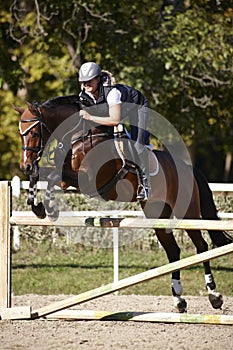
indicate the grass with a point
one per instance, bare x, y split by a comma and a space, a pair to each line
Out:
42, 268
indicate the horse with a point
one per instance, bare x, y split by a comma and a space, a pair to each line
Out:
90, 158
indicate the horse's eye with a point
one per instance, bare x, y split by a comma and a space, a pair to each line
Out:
35, 134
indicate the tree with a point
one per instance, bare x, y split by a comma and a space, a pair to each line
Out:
195, 54
178, 52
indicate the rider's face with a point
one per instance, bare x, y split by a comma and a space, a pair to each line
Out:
91, 85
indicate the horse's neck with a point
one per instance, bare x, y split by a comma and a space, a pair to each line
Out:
60, 120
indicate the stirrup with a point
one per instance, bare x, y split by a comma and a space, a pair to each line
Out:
144, 193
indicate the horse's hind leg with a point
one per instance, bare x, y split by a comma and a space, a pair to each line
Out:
201, 245
172, 250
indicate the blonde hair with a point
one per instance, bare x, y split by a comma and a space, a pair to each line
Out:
106, 77
111, 79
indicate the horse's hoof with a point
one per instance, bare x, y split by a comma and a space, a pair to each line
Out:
53, 216
39, 210
30, 201
215, 299
49, 208
180, 304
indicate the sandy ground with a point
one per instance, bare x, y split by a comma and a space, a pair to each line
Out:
94, 335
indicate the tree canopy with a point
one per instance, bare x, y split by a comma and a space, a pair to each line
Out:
177, 52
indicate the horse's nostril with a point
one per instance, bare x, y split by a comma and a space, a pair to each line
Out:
27, 168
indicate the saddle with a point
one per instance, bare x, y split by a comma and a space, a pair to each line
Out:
125, 148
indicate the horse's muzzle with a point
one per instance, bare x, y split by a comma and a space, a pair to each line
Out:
29, 169
26, 168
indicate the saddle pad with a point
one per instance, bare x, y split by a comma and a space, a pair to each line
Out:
153, 162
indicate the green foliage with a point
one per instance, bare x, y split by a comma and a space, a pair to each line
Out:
179, 55
10, 143
196, 54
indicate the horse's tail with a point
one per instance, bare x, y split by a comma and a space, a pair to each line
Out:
209, 210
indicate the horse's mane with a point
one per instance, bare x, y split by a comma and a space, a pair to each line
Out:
61, 100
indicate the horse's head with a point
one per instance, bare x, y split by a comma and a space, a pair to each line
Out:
30, 132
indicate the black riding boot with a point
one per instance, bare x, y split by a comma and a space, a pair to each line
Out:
144, 190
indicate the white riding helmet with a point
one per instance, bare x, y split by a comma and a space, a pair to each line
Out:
89, 71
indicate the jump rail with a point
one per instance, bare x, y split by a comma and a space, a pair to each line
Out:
122, 223
156, 317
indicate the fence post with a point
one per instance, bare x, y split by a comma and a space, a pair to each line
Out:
5, 244
115, 232
15, 184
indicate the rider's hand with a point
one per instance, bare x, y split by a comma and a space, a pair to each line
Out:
85, 115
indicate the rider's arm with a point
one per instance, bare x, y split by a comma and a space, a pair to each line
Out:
114, 102
112, 120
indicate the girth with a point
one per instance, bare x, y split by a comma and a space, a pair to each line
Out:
105, 189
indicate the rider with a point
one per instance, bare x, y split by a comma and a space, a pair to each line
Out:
97, 88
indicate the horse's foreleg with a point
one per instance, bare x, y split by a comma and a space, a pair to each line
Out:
215, 297
37, 209
32, 193
50, 204
172, 250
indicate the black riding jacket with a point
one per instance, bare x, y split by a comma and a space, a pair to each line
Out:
132, 108
131, 99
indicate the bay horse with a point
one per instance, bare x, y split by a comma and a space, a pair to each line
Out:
96, 165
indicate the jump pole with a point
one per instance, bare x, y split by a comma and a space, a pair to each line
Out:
124, 223
5, 245
132, 280
157, 317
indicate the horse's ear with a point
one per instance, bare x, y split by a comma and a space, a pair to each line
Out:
31, 107
20, 110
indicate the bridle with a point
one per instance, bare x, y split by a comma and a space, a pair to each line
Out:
40, 149
37, 120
